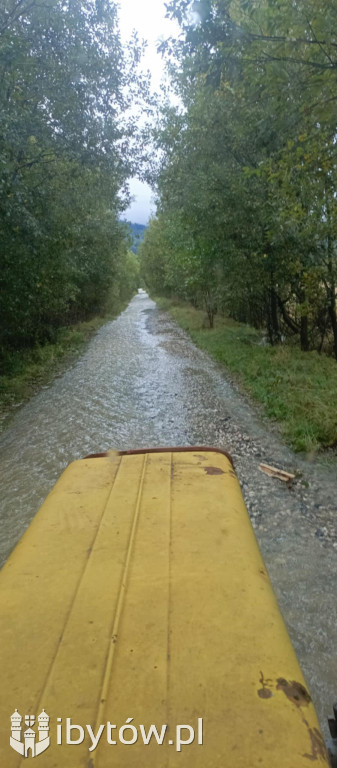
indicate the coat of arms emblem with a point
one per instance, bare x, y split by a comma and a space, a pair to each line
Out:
29, 745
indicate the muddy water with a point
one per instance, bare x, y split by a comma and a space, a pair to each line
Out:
142, 382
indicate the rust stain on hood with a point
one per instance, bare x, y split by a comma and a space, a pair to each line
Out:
296, 692
318, 748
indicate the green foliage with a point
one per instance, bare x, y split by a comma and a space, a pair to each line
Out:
129, 273
247, 177
65, 89
153, 254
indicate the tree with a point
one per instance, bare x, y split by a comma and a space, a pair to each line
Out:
65, 151
248, 168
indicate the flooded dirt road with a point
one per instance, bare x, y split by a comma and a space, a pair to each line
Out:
142, 382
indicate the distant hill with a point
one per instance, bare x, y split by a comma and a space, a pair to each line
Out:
138, 233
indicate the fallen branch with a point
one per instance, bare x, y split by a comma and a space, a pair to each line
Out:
286, 477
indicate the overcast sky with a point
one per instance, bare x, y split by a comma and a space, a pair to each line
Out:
148, 18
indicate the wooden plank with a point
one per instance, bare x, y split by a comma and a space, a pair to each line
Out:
280, 474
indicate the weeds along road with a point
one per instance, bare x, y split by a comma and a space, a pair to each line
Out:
143, 383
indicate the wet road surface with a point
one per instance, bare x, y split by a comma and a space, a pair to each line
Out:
142, 382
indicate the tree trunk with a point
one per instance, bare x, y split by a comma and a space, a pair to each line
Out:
273, 324
304, 326
210, 315
286, 317
274, 316
304, 333
333, 320
332, 294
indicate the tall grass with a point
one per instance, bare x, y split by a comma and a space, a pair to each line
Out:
296, 389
